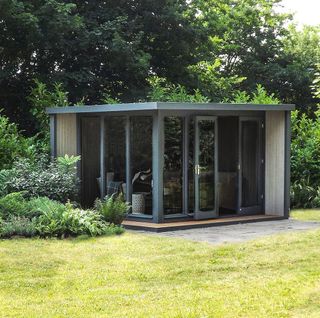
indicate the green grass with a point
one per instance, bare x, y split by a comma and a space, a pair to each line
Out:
306, 215
135, 275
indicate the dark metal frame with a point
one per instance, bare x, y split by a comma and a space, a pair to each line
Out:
287, 164
53, 135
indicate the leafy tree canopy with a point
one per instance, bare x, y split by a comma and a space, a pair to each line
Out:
90, 47
107, 50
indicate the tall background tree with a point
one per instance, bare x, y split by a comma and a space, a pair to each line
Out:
103, 49
90, 47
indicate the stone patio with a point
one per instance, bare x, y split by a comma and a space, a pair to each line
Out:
239, 232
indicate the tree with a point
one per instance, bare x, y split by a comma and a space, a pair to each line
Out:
243, 41
300, 55
107, 50
35, 38
90, 47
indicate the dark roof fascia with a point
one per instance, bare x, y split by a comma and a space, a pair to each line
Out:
223, 106
132, 107
102, 108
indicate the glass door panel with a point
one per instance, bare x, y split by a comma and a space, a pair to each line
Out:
205, 169
173, 165
141, 164
250, 189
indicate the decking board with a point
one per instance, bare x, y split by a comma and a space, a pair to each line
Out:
182, 225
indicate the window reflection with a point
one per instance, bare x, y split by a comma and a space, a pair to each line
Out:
173, 163
115, 155
141, 164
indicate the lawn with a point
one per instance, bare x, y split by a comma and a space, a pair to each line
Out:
306, 215
136, 275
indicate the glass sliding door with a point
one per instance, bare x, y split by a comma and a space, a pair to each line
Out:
205, 168
250, 166
173, 165
115, 155
141, 164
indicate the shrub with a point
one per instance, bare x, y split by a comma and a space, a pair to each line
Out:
61, 220
42, 97
47, 218
113, 209
259, 96
20, 226
305, 148
40, 178
163, 91
305, 160
13, 144
5, 177
50, 213
113, 229
303, 195
68, 163
14, 204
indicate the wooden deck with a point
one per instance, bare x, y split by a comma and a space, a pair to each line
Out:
189, 224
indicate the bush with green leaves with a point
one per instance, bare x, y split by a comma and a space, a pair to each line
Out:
42, 97
68, 163
14, 145
16, 216
304, 195
14, 204
17, 226
113, 209
59, 220
305, 155
44, 178
48, 218
305, 148
163, 91
259, 96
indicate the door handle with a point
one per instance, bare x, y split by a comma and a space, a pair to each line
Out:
197, 169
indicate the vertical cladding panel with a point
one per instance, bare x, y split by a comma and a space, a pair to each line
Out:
275, 163
66, 134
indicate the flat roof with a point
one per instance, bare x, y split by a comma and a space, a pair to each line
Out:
131, 107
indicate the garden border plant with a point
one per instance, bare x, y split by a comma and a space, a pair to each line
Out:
35, 200
43, 217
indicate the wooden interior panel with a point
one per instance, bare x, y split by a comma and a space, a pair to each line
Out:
66, 134
275, 163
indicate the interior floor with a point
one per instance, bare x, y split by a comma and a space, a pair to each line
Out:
226, 212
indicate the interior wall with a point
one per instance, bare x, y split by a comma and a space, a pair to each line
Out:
228, 131
66, 134
90, 160
274, 163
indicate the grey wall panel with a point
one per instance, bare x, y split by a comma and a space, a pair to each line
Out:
275, 163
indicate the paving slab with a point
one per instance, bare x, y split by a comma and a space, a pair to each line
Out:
239, 232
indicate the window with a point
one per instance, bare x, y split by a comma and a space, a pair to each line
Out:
173, 165
141, 164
